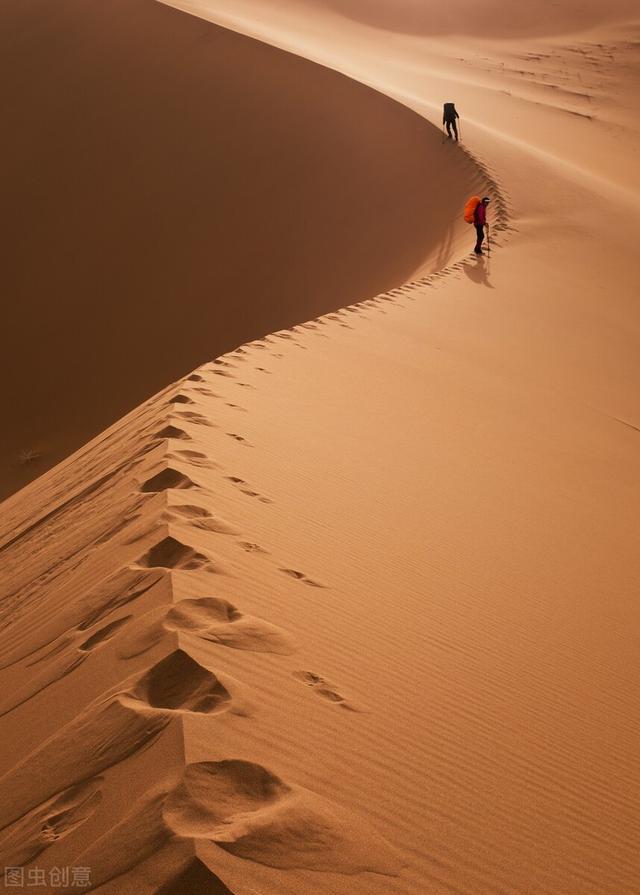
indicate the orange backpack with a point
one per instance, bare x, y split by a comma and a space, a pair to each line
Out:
470, 209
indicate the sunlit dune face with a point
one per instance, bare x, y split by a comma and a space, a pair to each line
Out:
493, 18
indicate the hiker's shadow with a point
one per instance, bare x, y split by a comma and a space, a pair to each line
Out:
478, 270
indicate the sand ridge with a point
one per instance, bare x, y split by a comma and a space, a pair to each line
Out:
257, 179
353, 608
179, 684
132, 614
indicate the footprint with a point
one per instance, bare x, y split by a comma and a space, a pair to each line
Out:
257, 496
194, 417
113, 727
250, 493
170, 553
60, 660
196, 377
173, 432
208, 618
181, 399
179, 683
239, 438
168, 478
252, 548
251, 813
324, 688
195, 458
191, 511
300, 576
218, 526
51, 821
79, 614
203, 519
246, 810
207, 392
213, 794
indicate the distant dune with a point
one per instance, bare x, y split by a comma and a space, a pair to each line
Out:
492, 18
172, 190
351, 608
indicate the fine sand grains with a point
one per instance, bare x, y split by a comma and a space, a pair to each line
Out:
112, 605
195, 194
353, 608
331, 739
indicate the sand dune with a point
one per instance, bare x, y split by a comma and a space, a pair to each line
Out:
353, 607
125, 618
539, 97
173, 190
456, 688
489, 19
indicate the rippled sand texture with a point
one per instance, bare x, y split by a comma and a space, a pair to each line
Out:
353, 608
171, 190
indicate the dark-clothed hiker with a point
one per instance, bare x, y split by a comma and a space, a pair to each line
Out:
449, 116
480, 222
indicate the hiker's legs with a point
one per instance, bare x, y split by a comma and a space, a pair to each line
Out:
452, 124
480, 239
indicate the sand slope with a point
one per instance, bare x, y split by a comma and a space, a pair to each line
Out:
128, 651
490, 19
354, 607
432, 698
171, 190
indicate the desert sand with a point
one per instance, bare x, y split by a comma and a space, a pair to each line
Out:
171, 190
353, 606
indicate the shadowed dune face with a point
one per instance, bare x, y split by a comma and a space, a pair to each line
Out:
171, 190
388, 648
178, 682
196, 879
493, 18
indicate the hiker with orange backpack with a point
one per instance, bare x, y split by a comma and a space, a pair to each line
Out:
475, 212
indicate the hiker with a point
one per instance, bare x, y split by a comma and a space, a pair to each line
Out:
480, 222
449, 116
